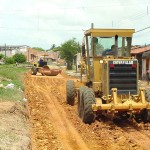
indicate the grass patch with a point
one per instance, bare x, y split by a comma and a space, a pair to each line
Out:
11, 94
12, 74
8, 136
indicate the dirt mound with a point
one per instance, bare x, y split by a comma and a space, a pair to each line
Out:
56, 125
14, 132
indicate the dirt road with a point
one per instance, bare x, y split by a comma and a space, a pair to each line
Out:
54, 125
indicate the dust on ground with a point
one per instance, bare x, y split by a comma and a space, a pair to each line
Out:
14, 133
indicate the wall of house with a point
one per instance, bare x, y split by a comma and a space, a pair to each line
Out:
145, 67
10, 51
78, 59
7, 53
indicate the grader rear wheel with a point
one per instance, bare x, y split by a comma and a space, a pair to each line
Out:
88, 98
70, 90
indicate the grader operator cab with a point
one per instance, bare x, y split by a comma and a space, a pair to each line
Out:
111, 85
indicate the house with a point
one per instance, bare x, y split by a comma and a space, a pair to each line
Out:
30, 53
142, 54
10, 50
34, 55
145, 63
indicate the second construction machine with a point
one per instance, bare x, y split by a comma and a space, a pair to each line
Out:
42, 67
109, 78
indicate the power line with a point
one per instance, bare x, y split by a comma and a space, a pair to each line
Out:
142, 29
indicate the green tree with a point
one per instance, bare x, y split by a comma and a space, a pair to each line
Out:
9, 60
20, 58
38, 48
1, 56
53, 47
68, 50
58, 48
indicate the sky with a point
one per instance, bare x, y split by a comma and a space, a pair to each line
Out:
41, 23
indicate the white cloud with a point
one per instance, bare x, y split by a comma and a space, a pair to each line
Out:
44, 22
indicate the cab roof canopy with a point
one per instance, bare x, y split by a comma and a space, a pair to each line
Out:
109, 32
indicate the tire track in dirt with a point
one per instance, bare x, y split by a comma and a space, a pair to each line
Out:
42, 131
69, 137
47, 96
135, 137
137, 134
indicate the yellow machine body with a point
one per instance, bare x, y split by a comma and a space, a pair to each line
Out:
113, 77
109, 78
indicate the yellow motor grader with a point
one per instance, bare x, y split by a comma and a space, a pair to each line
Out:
109, 78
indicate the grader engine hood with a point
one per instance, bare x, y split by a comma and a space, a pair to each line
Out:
122, 74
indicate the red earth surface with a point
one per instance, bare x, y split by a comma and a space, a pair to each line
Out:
54, 125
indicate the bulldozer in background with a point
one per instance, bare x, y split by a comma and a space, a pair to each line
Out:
42, 67
109, 78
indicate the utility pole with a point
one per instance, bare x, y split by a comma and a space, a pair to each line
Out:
92, 25
112, 24
5, 50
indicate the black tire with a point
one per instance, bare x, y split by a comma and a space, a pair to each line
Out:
80, 94
70, 91
34, 71
145, 115
88, 98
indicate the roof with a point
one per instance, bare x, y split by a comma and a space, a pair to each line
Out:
140, 50
37, 53
109, 32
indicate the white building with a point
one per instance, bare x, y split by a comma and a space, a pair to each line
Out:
10, 50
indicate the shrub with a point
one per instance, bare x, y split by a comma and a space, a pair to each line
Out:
9, 60
1, 56
20, 58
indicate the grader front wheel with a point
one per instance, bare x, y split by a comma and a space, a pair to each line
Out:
87, 99
70, 90
80, 95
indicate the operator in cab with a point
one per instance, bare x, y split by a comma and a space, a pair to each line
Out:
40, 62
111, 51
